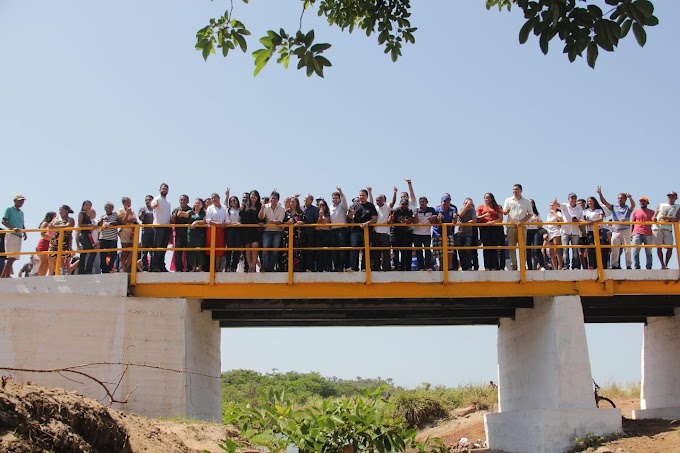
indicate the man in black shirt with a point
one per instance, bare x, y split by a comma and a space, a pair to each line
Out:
363, 214
401, 236
307, 236
181, 216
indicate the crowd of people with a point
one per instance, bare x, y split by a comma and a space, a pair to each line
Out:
405, 233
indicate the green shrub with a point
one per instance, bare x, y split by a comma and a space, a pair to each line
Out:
418, 410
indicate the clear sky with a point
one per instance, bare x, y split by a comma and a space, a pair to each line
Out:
104, 99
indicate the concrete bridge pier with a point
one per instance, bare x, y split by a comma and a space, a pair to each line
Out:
660, 396
545, 387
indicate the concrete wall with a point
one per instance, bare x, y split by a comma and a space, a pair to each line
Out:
52, 324
660, 396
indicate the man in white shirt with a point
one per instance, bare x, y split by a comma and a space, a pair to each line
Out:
518, 210
339, 232
380, 259
272, 214
571, 212
663, 234
161, 235
621, 233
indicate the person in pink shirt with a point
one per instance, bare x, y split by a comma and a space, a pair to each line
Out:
642, 234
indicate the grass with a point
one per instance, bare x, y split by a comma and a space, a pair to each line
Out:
620, 391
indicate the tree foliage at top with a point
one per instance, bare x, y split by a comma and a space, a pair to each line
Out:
581, 25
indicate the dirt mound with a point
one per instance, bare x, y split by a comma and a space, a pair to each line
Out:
38, 419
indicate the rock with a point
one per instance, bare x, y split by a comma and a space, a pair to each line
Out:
463, 442
604, 450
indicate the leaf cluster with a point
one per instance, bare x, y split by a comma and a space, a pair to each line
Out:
388, 18
363, 423
584, 28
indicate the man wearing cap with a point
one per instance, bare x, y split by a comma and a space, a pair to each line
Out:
444, 213
620, 232
519, 210
572, 212
13, 219
642, 234
663, 233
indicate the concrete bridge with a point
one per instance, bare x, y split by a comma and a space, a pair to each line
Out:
170, 324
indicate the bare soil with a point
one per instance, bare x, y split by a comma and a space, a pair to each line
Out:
40, 419
648, 436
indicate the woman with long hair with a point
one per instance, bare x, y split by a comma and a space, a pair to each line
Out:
44, 243
554, 230
594, 214
196, 237
293, 215
491, 213
85, 239
60, 222
323, 238
250, 208
233, 235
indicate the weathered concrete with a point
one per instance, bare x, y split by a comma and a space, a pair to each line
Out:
175, 347
545, 387
660, 396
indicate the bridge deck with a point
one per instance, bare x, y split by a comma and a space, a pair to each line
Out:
413, 298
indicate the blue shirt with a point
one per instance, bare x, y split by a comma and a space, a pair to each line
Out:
448, 218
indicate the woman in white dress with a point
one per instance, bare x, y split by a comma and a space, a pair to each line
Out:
554, 230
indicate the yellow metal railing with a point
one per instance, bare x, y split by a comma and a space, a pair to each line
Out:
521, 248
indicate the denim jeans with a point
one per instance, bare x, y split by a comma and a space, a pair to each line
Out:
147, 242
356, 239
570, 239
423, 241
340, 258
161, 237
604, 251
465, 255
402, 258
269, 258
180, 242
323, 257
642, 239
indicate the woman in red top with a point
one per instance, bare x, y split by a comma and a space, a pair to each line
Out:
44, 243
491, 236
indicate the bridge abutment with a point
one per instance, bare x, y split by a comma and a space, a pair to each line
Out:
52, 323
545, 387
660, 395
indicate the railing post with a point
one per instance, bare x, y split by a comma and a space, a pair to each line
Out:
598, 252
521, 244
367, 254
135, 252
676, 233
445, 252
213, 236
60, 245
291, 258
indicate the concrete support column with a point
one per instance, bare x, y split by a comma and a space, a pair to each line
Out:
660, 397
545, 388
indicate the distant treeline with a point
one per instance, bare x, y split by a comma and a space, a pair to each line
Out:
242, 386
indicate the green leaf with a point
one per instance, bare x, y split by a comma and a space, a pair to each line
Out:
544, 42
323, 61
640, 34
644, 6
592, 54
241, 42
318, 48
525, 30
309, 38
625, 27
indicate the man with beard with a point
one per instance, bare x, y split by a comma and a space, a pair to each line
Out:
161, 235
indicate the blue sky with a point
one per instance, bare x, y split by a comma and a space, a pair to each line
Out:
104, 99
